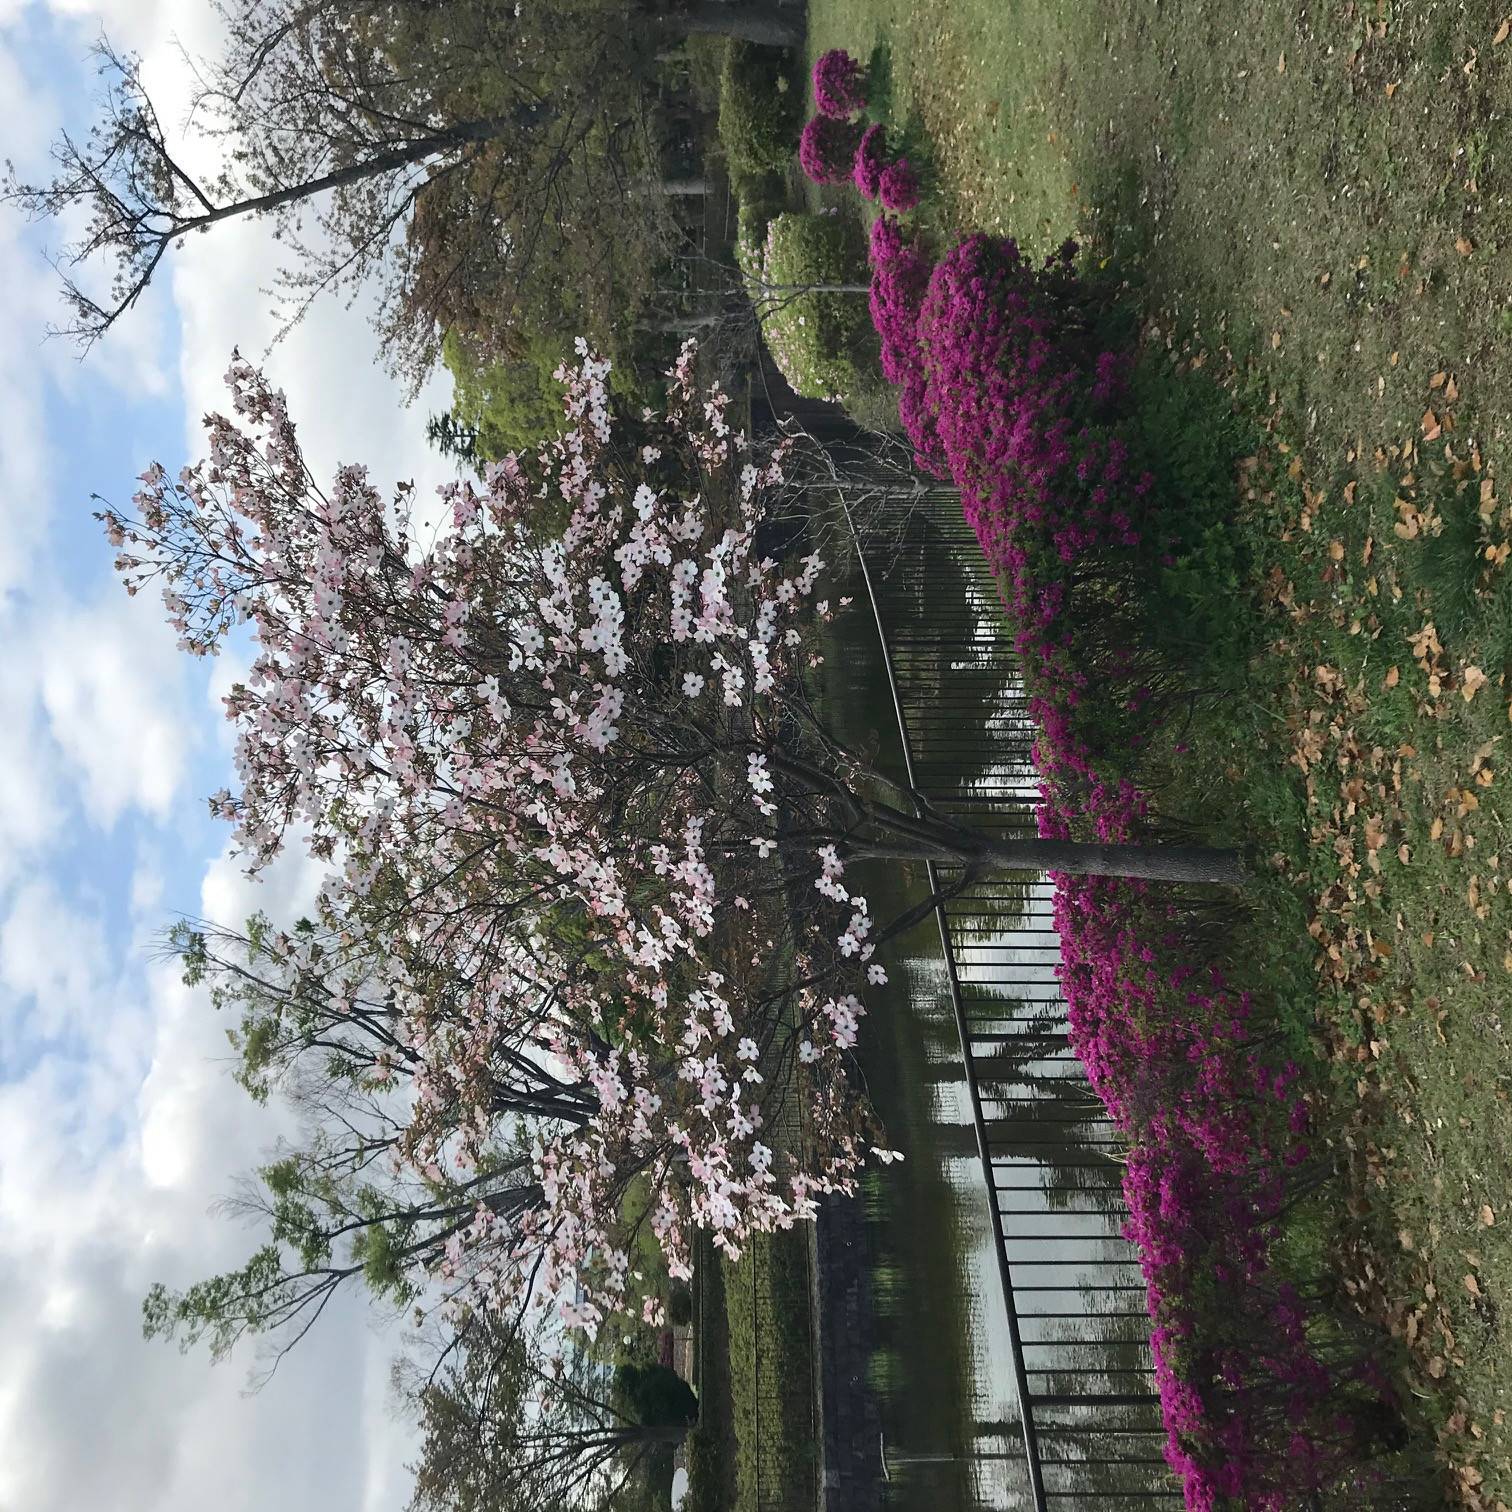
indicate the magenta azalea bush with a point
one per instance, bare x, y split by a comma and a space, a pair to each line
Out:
1008, 391
839, 85
870, 161
898, 187
827, 149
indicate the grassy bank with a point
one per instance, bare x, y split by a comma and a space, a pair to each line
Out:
1313, 216
755, 1444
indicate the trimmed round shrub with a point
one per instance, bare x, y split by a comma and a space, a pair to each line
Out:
760, 199
898, 187
654, 1395
839, 85
827, 149
680, 1306
821, 339
759, 109
870, 161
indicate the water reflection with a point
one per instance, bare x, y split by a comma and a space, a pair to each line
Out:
943, 1364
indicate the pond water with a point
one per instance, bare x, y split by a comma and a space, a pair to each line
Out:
941, 1368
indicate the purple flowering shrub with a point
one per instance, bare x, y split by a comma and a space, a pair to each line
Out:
827, 149
898, 187
839, 85
870, 161
1008, 391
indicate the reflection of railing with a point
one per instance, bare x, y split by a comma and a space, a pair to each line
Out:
1078, 1334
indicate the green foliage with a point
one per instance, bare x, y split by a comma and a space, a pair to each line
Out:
884, 1373
654, 1396
760, 199
760, 108
822, 341
514, 405
680, 1306
705, 52
1192, 438
219, 1309
509, 406
1449, 566
768, 1313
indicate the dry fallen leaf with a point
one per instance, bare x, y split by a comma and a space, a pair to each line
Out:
1463, 245
1502, 33
1472, 682
1472, 1286
1392, 678
1487, 1215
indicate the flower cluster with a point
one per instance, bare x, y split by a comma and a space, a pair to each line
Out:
564, 815
898, 187
1008, 392
827, 149
839, 85
870, 161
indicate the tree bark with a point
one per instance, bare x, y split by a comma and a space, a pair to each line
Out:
1153, 863
673, 187
747, 22
460, 135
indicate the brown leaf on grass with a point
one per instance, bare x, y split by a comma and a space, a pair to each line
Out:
1463, 245
1392, 678
1472, 1285
1391, 89
1425, 643
1502, 33
1436, 1367
1432, 429
1437, 381
1471, 682
1487, 1215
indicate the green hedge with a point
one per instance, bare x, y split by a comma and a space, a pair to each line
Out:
823, 342
760, 108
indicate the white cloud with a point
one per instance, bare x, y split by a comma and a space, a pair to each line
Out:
119, 1124
90, 1414
51, 959
111, 682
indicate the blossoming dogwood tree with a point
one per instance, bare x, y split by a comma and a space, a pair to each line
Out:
590, 842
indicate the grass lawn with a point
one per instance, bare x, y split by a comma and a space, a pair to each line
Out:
755, 1442
1314, 214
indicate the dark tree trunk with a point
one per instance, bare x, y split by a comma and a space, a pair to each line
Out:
674, 188
1153, 863
746, 20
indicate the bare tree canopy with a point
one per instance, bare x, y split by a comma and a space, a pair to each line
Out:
450, 154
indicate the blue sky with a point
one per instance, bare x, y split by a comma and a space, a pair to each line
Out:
118, 1123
